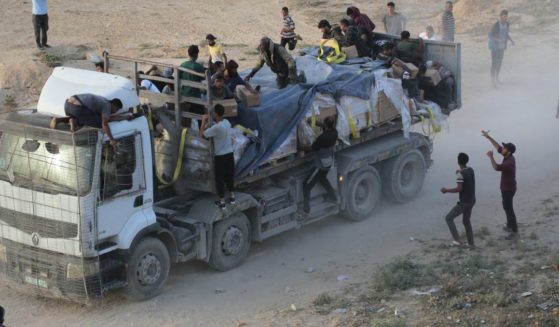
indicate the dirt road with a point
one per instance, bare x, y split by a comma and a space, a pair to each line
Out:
274, 276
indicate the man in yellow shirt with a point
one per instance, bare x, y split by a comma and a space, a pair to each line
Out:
216, 52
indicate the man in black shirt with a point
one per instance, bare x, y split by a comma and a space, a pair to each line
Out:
466, 186
323, 148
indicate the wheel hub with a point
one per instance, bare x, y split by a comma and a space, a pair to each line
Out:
148, 271
232, 242
407, 174
362, 192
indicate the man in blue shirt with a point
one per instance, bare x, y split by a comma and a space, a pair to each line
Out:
40, 23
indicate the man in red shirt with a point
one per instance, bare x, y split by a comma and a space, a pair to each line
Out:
508, 181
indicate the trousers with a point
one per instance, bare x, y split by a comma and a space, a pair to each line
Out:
496, 61
509, 210
464, 209
224, 173
317, 176
41, 26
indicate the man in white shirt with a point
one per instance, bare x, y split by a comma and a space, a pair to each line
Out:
224, 160
40, 23
429, 34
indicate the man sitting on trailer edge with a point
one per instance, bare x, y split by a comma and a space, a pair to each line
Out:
89, 110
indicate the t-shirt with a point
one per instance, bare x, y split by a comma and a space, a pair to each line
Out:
95, 103
233, 82
187, 90
394, 24
225, 93
39, 7
223, 137
407, 50
467, 178
288, 23
323, 147
508, 173
217, 53
449, 26
148, 85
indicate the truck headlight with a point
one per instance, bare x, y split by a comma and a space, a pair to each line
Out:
3, 254
79, 271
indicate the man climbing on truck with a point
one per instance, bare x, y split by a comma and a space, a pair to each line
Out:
89, 110
323, 148
224, 159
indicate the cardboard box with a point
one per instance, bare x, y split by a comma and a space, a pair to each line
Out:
350, 52
433, 75
398, 68
385, 109
326, 112
230, 106
248, 98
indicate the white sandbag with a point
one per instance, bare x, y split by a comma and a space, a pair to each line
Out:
305, 134
240, 142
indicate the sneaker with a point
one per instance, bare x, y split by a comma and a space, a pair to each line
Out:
220, 205
232, 199
512, 237
456, 243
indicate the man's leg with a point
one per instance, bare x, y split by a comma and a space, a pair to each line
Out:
284, 41
499, 63
292, 43
307, 187
230, 174
322, 178
44, 29
509, 211
219, 170
37, 30
456, 211
468, 225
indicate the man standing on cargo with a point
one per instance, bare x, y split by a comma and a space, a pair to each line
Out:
466, 187
279, 61
189, 91
89, 110
40, 23
508, 181
323, 148
224, 160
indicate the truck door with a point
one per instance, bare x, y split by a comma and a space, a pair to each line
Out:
122, 186
448, 54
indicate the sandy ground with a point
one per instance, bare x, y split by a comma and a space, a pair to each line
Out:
274, 277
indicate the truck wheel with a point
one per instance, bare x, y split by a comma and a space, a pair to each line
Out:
362, 194
231, 242
148, 269
403, 176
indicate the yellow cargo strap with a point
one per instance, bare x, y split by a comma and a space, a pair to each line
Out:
244, 130
336, 57
352, 125
180, 158
432, 124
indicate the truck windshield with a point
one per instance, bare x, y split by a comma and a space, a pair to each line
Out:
46, 166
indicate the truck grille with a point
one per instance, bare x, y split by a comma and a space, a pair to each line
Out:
33, 224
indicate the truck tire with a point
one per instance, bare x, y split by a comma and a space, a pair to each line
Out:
148, 269
231, 242
403, 176
362, 194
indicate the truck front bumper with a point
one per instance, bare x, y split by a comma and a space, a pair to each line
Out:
50, 274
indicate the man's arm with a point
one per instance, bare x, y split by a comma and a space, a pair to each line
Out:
493, 142
493, 162
107, 128
256, 68
384, 23
203, 125
287, 58
404, 22
457, 189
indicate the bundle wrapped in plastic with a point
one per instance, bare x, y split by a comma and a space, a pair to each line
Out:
165, 156
240, 142
357, 112
288, 147
305, 134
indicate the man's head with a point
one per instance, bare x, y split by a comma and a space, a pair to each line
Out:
264, 44
504, 16
219, 66
329, 122
349, 11
463, 159
389, 49
430, 31
285, 11
231, 68
390, 7
100, 67
344, 24
324, 26
508, 149
448, 6
116, 105
193, 52
218, 81
219, 111
405, 35
211, 39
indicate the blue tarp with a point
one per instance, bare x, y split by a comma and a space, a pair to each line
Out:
280, 111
